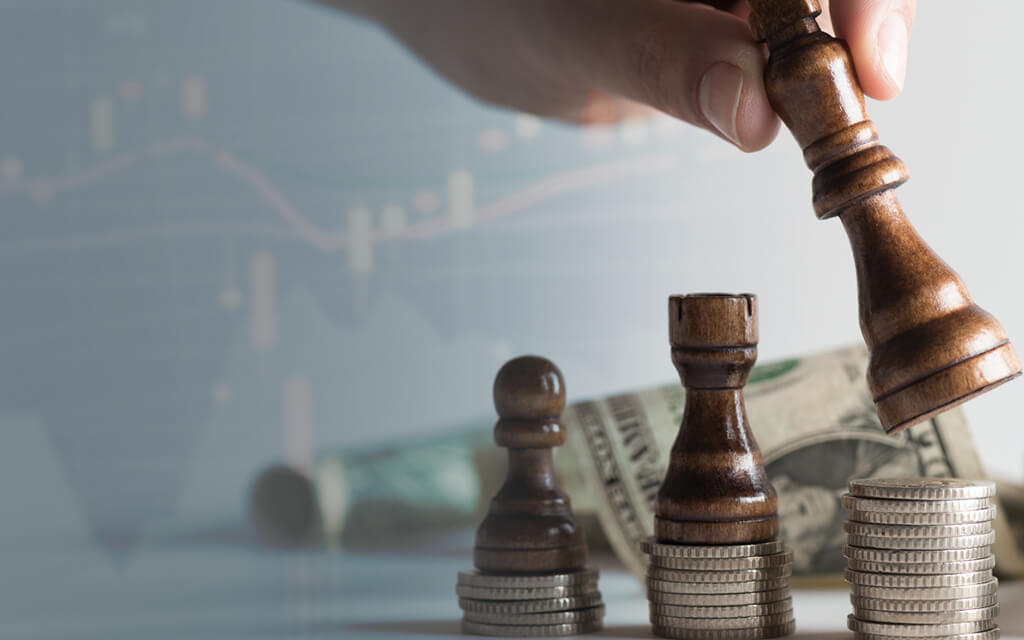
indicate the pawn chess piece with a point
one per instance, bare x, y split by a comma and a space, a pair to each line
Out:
932, 347
716, 490
717, 567
530, 555
530, 527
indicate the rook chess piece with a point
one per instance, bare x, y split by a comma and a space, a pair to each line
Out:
717, 568
932, 347
715, 491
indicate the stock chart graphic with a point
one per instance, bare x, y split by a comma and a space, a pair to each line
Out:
247, 232
235, 230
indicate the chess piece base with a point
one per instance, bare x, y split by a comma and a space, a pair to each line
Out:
530, 560
717, 532
957, 383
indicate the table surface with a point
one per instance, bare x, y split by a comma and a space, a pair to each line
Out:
236, 591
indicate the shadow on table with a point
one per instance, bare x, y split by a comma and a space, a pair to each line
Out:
644, 631
452, 628
412, 627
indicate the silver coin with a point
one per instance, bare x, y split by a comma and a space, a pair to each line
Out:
478, 579
757, 633
922, 488
962, 566
856, 503
917, 531
928, 617
530, 631
917, 630
747, 622
991, 634
886, 542
927, 593
533, 593
716, 587
551, 617
723, 564
923, 606
544, 605
743, 575
739, 611
907, 581
651, 546
924, 519
718, 599
911, 556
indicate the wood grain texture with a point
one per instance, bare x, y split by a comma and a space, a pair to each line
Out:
530, 527
932, 347
716, 490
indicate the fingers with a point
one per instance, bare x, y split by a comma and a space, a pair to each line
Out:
601, 107
691, 61
877, 32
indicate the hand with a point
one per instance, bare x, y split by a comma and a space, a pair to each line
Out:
604, 60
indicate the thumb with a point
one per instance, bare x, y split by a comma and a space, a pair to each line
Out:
877, 32
689, 60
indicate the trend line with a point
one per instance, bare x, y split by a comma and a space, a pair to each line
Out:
323, 240
46, 188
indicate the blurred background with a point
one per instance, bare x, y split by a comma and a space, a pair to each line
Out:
246, 231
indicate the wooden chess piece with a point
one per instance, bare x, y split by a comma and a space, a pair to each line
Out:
716, 490
530, 527
932, 347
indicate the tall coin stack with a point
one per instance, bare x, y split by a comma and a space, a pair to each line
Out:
919, 559
531, 576
734, 592
717, 568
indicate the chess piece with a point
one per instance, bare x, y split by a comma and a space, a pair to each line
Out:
530, 527
932, 347
716, 566
531, 578
716, 490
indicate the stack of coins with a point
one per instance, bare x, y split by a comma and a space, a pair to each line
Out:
703, 592
919, 558
557, 604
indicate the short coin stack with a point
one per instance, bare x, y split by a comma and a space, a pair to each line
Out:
919, 559
557, 604
733, 591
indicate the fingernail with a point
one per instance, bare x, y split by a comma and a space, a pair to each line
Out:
892, 47
719, 94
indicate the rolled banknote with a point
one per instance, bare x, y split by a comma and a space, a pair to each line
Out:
380, 495
813, 418
359, 497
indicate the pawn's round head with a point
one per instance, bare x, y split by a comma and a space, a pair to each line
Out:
529, 388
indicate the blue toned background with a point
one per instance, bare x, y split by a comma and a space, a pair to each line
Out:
238, 232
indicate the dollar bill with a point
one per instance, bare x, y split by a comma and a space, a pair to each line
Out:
817, 428
813, 418
1011, 503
